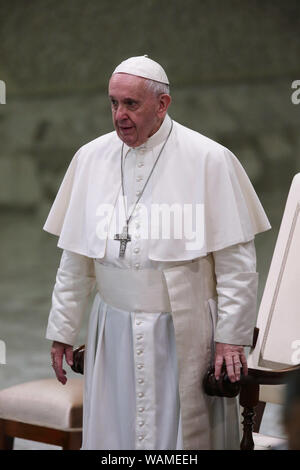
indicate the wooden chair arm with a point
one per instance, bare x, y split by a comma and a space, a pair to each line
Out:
269, 377
224, 388
248, 389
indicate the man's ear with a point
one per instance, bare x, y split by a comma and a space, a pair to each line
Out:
164, 103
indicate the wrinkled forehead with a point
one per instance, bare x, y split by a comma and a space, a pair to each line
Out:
124, 84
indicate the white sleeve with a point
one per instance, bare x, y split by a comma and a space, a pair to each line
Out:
237, 282
75, 281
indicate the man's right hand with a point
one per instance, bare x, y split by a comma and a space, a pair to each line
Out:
58, 351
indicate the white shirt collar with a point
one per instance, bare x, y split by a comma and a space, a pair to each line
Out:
158, 138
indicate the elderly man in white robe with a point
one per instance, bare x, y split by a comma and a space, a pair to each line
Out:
166, 306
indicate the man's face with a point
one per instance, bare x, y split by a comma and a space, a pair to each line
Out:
136, 111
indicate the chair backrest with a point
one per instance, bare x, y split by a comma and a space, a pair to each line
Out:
272, 394
278, 343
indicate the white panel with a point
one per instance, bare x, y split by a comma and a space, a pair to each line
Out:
283, 329
278, 319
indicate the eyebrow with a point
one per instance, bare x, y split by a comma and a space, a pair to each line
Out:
125, 99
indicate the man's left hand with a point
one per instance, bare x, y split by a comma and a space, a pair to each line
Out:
234, 357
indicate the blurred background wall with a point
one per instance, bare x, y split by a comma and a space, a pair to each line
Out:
231, 65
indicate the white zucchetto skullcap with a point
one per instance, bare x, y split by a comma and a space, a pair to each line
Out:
142, 66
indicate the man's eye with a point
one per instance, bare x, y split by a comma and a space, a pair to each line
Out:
114, 103
131, 103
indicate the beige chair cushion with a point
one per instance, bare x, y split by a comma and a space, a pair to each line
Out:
272, 393
45, 403
263, 442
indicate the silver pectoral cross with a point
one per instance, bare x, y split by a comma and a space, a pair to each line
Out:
123, 238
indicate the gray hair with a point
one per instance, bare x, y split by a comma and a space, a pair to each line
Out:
157, 88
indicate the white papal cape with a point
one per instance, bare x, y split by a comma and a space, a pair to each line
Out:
193, 173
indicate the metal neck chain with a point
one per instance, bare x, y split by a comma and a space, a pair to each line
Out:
122, 177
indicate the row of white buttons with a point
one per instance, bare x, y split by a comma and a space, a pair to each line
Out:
140, 380
137, 235
139, 179
139, 350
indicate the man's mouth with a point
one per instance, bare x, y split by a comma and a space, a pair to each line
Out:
126, 128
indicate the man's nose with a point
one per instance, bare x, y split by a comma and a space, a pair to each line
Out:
121, 113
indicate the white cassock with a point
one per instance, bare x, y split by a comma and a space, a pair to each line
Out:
156, 311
